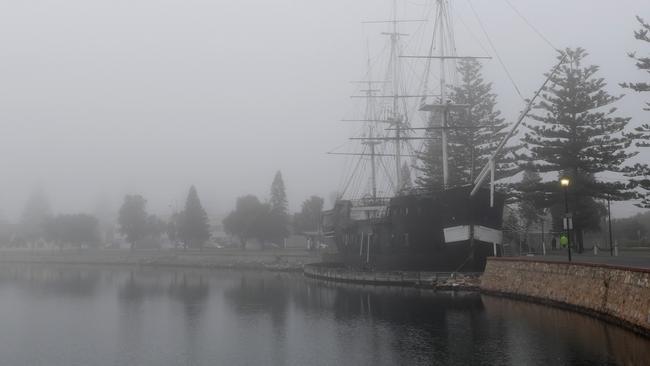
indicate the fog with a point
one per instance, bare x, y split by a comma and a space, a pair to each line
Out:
103, 98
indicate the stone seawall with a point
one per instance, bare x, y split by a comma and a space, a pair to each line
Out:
618, 294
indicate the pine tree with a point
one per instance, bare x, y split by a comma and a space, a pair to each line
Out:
641, 172
430, 167
278, 199
512, 227
242, 221
172, 228
310, 215
642, 63
405, 180
278, 220
531, 209
36, 213
194, 229
133, 219
576, 134
473, 133
530, 200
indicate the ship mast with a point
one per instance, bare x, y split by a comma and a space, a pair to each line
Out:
369, 115
394, 39
370, 118
396, 120
446, 50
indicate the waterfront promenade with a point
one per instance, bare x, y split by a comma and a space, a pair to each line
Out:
637, 258
271, 259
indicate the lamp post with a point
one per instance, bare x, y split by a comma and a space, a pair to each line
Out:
565, 182
609, 218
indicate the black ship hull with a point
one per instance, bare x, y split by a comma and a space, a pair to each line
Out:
445, 231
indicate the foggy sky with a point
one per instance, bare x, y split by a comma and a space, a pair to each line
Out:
103, 98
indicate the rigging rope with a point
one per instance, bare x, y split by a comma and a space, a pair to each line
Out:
351, 177
531, 25
452, 43
432, 46
471, 33
480, 22
388, 175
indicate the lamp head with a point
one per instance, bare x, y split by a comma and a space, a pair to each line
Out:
564, 182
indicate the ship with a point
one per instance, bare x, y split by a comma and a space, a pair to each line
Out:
453, 228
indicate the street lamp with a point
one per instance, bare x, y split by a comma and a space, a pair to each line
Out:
565, 182
609, 217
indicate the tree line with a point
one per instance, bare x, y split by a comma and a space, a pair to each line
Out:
269, 223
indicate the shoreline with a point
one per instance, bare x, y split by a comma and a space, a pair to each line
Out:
608, 318
474, 283
441, 281
615, 294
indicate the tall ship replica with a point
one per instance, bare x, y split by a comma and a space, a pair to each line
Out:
379, 220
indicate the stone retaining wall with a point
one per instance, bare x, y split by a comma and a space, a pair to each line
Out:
616, 293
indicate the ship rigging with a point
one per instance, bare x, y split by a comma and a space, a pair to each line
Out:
453, 227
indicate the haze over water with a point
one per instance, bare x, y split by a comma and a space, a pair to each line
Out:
53, 315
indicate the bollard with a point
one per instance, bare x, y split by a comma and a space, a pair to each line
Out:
596, 249
616, 248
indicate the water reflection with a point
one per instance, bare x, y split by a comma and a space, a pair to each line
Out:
148, 316
414, 326
567, 333
56, 280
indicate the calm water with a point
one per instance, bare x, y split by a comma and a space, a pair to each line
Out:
51, 315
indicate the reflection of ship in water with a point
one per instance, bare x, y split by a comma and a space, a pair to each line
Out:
453, 228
